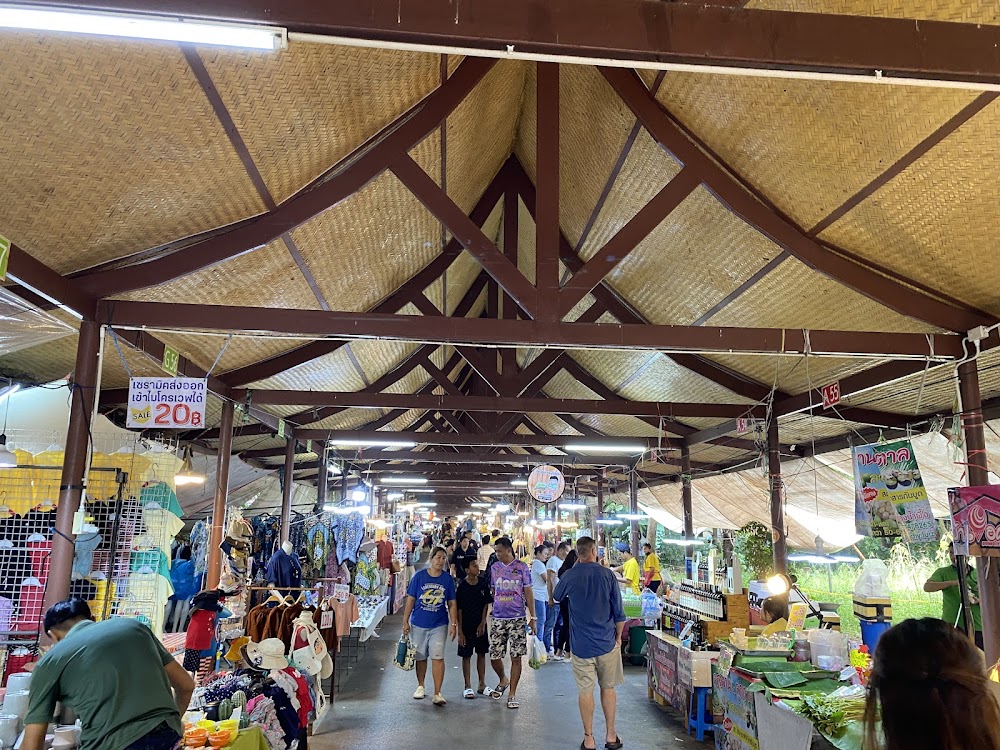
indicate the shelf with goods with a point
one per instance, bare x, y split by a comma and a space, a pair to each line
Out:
710, 611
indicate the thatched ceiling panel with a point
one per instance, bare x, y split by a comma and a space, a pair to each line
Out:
73, 107
934, 222
807, 145
322, 101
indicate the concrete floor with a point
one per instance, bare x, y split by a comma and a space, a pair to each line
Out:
375, 709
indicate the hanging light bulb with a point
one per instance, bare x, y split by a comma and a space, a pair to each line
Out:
187, 475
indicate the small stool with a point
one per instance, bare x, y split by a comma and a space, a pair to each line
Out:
698, 705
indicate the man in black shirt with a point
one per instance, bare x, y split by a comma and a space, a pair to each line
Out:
473, 599
460, 558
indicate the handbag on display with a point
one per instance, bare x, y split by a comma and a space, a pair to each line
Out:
406, 655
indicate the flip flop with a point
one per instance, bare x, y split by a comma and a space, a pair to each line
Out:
484, 691
497, 692
512, 703
469, 693
616, 745
583, 745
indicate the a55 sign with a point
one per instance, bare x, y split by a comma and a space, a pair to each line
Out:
166, 403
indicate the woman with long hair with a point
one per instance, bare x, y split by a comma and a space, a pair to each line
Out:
929, 691
561, 637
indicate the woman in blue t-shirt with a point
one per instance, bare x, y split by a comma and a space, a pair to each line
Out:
428, 616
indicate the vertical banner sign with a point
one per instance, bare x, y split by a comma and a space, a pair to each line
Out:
546, 484
831, 394
171, 359
975, 519
4, 257
733, 700
890, 499
166, 403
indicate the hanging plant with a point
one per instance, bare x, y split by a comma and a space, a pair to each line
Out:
753, 545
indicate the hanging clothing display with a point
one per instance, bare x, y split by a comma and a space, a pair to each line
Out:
199, 547
284, 570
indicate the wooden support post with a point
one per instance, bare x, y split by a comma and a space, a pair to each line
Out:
688, 509
218, 532
323, 478
83, 396
286, 489
778, 535
975, 450
633, 508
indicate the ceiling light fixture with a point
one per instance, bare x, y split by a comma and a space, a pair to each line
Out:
499, 492
403, 480
519, 483
633, 516
605, 448
482, 505
610, 521
359, 495
388, 443
572, 506
187, 475
146, 27
502, 508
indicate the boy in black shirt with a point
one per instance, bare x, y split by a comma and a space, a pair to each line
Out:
473, 599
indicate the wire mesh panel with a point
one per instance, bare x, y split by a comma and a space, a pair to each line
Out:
122, 535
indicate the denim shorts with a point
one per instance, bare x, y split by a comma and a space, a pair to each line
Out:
429, 642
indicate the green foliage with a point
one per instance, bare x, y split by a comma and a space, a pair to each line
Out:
753, 545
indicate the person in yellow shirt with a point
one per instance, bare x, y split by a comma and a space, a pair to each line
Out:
630, 568
651, 568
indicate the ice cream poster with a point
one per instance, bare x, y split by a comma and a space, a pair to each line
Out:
890, 498
975, 519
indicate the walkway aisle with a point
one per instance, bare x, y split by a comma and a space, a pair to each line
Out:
377, 710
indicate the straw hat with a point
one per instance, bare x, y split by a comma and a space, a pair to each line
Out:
268, 654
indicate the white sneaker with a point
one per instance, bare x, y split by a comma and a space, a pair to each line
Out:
419, 694
439, 700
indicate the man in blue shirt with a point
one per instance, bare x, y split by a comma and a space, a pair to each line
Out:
597, 619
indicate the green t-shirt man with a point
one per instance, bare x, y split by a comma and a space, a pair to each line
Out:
114, 674
953, 597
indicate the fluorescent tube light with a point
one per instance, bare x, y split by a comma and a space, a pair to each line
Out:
146, 27
482, 505
519, 483
572, 506
605, 448
403, 480
609, 521
387, 443
499, 492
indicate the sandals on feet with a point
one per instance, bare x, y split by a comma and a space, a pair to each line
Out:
497, 692
513, 703
583, 745
484, 691
469, 693
616, 745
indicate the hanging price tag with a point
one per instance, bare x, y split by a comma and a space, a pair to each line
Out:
166, 403
326, 619
341, 592
171, 359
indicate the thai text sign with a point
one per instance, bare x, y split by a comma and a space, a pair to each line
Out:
166, 403
831, 394
975, 519
890, 499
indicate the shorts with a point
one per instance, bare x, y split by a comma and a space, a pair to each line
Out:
514, 632
479, 644
161, 738
429, 642
606, 671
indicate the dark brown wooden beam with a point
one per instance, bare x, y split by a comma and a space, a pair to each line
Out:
710, 34
479, 246
886, 291
529, 333
547, 161
300, 208
493, 404
36, 277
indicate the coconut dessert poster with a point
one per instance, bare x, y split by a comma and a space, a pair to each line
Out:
890, 498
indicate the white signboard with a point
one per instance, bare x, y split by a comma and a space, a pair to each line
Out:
166, 403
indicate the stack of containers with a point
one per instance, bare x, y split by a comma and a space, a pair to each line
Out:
872, 604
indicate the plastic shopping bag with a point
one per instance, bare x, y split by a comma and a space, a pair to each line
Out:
406, 655
537, 655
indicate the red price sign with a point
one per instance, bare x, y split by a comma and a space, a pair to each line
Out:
831, 395
166, 403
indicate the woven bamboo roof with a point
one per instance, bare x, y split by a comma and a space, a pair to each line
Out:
116, 151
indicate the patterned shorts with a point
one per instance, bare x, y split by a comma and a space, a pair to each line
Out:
513, 632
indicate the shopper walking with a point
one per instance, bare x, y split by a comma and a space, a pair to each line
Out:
473, 599
629, 569
483, 555
464, 554
555, 562
561, 636
510, 581
541, 591
126, 689
652, 577
428, 616
598, 617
